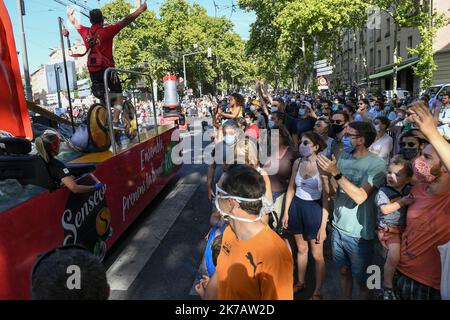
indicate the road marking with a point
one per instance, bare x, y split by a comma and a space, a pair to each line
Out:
139, 250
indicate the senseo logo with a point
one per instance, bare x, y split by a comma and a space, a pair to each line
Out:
86, 221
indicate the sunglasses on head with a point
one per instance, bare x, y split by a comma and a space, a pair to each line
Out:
409, 144
352, 135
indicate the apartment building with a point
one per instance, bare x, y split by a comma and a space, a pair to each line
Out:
39, 85
369, 54
56, 56
39, 82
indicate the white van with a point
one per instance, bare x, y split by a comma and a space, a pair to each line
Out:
438, 89
401, 94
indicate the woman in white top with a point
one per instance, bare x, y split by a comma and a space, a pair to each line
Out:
383, 144
306, 210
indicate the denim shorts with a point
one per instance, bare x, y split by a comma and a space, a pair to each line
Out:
354, 253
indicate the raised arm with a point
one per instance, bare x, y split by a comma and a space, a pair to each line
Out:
261, 97
357, 194
130, 18
268, 96
72, 19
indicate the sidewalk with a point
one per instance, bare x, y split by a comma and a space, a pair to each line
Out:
331, 287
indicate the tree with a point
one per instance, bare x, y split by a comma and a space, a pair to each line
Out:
428, 22
282, 25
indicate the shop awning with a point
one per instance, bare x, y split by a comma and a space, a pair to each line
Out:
390, 71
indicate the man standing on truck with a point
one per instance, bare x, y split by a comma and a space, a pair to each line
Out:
98, 40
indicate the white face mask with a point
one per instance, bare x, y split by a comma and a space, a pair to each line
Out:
225, 215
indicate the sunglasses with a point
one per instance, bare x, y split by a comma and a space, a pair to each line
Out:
337, 121
305, 142
409, 144
352, 135
45, 255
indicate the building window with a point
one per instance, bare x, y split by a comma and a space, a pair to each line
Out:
371, 58
378, 32
399, 49
388, 27
388, 55
410, 44
379, 58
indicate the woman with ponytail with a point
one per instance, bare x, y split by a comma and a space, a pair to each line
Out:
47, 147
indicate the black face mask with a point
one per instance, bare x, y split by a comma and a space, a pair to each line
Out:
409, 153
337, 128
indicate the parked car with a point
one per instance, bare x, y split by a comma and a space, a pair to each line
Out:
402, 94
436, 90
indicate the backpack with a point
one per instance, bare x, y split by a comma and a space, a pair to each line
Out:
210, 267
95, 58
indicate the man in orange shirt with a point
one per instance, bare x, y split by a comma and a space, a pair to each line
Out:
254, 263
427, 227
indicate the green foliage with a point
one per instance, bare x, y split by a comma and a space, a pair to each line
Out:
428, 27
276, 36
158, 42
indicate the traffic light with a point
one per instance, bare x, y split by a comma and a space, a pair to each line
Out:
209, 52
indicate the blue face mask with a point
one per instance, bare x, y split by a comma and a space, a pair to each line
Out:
348, 147
229, 139
301, 112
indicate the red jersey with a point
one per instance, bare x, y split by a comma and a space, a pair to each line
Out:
104, 42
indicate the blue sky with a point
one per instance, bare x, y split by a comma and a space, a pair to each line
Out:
41, 24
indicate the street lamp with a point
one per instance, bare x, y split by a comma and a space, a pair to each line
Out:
209, 52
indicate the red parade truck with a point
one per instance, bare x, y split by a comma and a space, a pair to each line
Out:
34, 220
